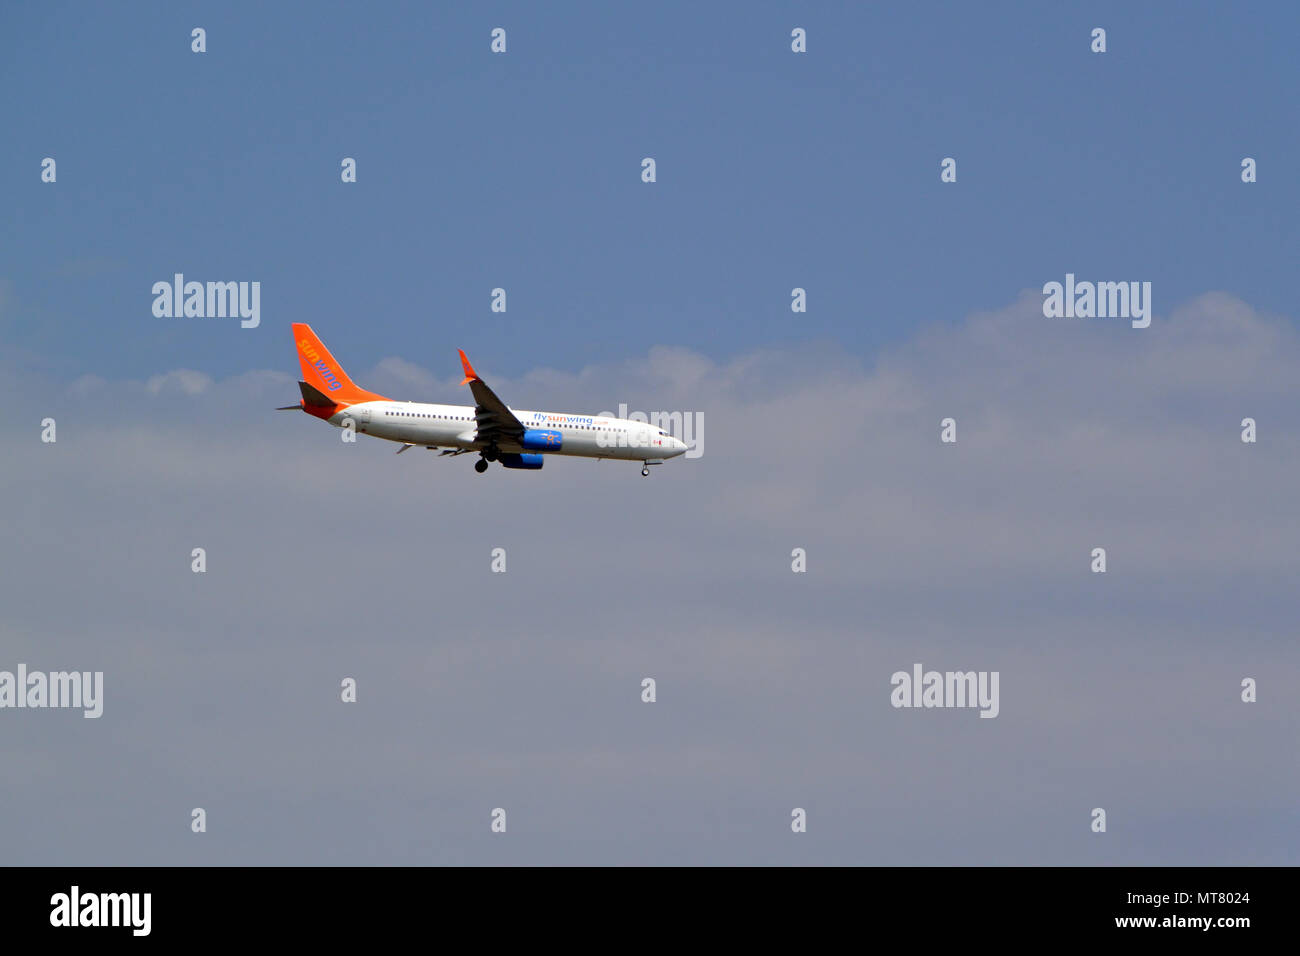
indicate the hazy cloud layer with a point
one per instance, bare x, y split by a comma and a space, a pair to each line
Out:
522, 690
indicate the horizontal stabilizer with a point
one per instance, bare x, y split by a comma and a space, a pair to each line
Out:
314, 397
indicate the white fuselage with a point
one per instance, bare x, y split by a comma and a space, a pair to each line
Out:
454, 426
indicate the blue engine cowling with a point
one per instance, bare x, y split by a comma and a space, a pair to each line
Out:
520, 461
541, 439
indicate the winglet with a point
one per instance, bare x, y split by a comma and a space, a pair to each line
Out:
470, 374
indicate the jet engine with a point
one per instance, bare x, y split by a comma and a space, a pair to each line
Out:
532, 462
541, 439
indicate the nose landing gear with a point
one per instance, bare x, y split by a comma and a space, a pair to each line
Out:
645, 472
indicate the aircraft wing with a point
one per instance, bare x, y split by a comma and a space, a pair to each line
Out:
495, 420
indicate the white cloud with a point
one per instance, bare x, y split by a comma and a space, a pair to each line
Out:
328, 559
186, 380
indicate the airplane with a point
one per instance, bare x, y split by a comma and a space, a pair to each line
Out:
515, 438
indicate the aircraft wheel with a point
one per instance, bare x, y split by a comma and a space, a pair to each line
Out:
645, 472
481, 465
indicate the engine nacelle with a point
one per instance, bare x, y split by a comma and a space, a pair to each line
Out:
532, 462
541, 439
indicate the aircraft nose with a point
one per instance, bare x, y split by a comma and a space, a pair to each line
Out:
679, 446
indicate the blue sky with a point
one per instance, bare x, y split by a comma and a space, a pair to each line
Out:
522, 171
522, 690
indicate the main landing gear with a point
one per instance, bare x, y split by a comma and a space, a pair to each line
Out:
481, 465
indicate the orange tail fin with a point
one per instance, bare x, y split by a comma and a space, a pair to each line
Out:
323, 372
